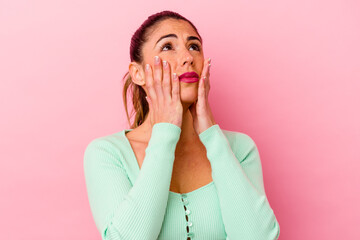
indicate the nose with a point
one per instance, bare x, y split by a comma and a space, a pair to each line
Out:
187, 58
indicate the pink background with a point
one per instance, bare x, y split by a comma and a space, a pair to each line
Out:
284, 72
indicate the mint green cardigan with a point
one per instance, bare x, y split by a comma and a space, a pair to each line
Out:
132, 203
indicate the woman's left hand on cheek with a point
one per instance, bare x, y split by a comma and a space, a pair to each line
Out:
200, 110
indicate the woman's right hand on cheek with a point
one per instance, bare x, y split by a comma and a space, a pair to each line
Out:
163, 96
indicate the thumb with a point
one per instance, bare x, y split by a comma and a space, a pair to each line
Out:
192, 109
150, 109
149, 102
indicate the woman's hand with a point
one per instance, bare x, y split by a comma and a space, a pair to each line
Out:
163, 97
200, 110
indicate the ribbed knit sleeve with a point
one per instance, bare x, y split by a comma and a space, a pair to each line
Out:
238, 179
122, 210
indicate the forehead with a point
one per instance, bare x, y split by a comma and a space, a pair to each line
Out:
176, 26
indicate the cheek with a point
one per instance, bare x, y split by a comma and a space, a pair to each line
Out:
171, 62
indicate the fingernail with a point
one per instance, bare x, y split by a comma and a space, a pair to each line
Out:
174, 76
165, 63
157, 59
209, 60
147, 67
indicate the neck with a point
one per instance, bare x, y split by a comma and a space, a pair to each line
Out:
187, 136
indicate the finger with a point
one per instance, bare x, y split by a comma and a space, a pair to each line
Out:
204, 70
207, 80
158, 79
175, 88
201, 92
166, 81
205, 76
149, 82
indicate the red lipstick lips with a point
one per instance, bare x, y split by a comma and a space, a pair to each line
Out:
189, 77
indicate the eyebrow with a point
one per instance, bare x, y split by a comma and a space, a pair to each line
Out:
175, 36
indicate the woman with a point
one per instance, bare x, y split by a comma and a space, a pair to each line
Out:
175, 174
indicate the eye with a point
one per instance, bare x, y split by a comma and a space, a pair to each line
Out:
166, 45
197, 47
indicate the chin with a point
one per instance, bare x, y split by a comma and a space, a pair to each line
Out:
189, 97
189, 94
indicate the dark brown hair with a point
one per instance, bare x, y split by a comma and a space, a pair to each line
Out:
138, 39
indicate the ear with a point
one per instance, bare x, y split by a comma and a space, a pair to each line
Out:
137, 73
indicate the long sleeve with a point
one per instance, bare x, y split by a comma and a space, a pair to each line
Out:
238, 179
120, 210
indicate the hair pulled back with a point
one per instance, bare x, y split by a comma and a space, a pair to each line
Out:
140, 105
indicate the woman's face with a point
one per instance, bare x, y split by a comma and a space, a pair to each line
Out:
183, 54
